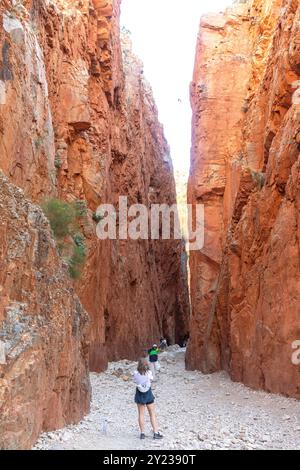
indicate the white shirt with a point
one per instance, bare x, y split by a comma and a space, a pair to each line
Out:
144, 380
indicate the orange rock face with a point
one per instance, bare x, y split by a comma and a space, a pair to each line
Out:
44, 374
245, 283
78, 120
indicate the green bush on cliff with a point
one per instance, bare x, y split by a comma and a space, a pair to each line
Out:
61, 215
64, 220
97, 218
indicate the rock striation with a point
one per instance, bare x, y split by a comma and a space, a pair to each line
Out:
245, 283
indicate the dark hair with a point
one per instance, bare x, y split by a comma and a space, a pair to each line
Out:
143, 366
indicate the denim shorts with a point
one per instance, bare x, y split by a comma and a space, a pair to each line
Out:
144, 398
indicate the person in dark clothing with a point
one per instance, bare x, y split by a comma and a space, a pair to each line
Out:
163, 344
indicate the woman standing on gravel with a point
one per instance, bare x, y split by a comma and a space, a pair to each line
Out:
144, 397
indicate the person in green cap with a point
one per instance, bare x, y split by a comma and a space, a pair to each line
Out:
153, 359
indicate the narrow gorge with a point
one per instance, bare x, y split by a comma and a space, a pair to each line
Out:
79, 128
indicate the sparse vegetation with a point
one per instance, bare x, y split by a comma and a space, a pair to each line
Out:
62, 217
77, 260
81, 208
259, 178
57, 162
97, 218
64, 220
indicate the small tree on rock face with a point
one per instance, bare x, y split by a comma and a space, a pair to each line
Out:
64, 221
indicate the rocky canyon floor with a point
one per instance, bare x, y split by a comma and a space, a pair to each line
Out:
195, 411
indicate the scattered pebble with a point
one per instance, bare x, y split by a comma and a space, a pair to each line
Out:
193, 412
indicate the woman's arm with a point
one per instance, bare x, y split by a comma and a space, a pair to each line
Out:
135, 378
150, 375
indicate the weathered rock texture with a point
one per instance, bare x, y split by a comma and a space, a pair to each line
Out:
245, 283
44, 374
77, 119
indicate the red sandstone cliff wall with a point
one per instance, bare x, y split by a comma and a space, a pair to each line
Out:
245, 284
72, 98
78, 121
44, 374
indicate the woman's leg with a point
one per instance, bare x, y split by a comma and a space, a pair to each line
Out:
152, 414
152, 368
141, 410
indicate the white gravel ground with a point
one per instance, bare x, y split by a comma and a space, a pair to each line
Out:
195, 411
